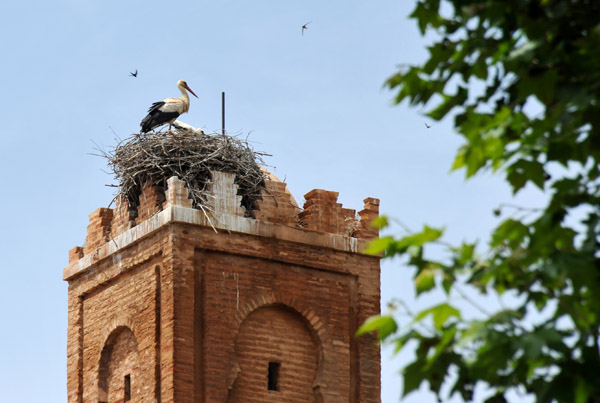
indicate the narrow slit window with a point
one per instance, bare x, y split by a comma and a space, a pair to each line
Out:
127, 396
273, 378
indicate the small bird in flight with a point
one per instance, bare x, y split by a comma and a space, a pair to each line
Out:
133, 74
305, 26
427, 126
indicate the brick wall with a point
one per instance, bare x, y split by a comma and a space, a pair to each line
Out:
193, 307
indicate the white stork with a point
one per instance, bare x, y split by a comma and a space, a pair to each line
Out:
168, 110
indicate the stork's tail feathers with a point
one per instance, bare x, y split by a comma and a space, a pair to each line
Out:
148, 123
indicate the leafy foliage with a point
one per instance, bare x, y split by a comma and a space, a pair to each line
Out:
522, 80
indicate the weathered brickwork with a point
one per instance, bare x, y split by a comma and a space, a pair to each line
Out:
184, 307
151, 200
322, 212
223, 197
277, 205
98, 229
177, 194
365, 229
75, 254
123, 217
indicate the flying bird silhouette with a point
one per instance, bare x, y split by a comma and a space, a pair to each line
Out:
427, 126
133, 74
305, 26
167, 111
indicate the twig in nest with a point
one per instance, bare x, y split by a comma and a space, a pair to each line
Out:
155, 157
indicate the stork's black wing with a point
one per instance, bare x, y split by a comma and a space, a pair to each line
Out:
157, 117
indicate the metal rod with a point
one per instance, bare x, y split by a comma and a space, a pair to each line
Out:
223, 112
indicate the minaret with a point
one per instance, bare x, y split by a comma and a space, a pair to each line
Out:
174, 304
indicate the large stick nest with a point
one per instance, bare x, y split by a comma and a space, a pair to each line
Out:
155, 157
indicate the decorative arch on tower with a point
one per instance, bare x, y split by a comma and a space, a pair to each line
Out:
279, 349
118, 368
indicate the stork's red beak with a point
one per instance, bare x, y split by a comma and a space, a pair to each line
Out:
190, 90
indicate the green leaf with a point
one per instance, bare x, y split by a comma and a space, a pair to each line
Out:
448, 104
383, 324
448, 336
380, 222
401, 341
379, 245
582, 391
541, 86
426, 13
505, 316
413, 375
522, 171
447, 284
440, 314
473, 333
531, 345
425, 280
466, 253
511, 233
497, 398
427, 235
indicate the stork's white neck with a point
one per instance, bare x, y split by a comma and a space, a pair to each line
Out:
185, 98
184, 93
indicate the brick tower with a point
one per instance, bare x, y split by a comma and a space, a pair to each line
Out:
174, 305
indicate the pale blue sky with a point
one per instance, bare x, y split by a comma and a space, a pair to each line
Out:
315, 102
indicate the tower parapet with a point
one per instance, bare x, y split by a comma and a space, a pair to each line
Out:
321, 212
